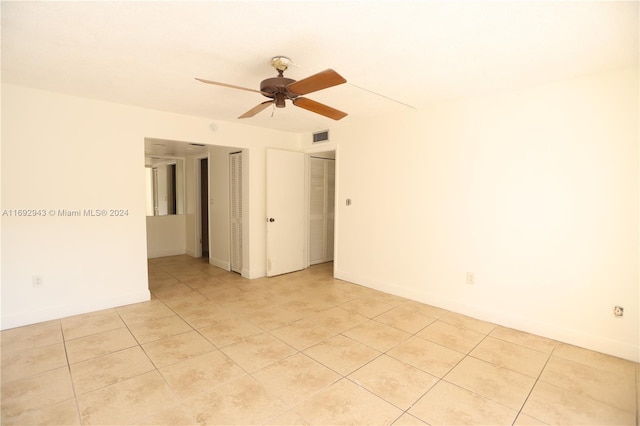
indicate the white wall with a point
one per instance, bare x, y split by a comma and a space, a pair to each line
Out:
148, 177
166, 235
535, 192
49, 143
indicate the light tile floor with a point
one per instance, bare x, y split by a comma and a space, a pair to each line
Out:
303, 348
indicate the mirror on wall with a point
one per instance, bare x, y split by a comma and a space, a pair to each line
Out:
164, 189
164, 162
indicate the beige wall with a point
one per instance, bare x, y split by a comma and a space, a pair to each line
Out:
534, 191
50, 143
166, 235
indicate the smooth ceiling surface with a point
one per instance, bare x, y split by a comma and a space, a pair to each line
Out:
418, 53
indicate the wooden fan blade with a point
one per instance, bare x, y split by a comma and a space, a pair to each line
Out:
319, 108
256, 109
319, 81
227, 85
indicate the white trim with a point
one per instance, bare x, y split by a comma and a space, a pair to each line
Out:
198, 213
165, 253
540, 328
58, 312
223, 264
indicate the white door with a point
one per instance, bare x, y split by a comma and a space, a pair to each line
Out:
285, 211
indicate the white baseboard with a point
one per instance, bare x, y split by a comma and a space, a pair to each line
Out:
530, 325
246, 273
165, 253
57, 312
223, 264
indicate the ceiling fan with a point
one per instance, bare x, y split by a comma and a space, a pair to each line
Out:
280, 88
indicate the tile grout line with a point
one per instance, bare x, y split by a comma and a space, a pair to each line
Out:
535, 383
220, 349
73, 386
439, 379
157, 369
300, 351
442, 379
180, 400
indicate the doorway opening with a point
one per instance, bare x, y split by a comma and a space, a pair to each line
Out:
199, 224
322, 193
204, 206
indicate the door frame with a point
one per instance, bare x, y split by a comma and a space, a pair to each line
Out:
308, 154
198, 212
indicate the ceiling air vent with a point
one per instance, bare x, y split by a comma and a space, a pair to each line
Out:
322, 136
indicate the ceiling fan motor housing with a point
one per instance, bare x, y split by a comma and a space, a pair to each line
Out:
276, 88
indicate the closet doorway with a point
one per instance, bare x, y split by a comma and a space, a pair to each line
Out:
204, 206
322, 195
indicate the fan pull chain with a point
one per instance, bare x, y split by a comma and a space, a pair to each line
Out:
366, 90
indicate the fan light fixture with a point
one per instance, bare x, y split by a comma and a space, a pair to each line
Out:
280, 63
279, 100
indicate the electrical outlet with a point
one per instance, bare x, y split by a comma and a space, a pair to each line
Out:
618, 311
471, 279
36, 280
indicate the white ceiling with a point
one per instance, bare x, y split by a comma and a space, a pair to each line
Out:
416, 52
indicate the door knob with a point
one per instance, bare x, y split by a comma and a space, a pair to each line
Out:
271, 219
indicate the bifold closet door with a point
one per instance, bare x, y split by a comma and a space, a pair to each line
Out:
322, 209
235, 181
